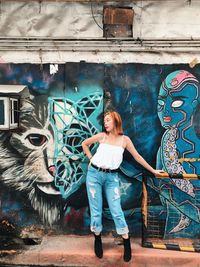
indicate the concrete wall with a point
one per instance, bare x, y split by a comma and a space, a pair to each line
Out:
153, 19
74, 74
44, 32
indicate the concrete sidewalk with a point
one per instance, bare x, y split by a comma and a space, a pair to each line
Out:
71, 250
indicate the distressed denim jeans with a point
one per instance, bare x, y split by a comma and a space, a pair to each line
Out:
96, 181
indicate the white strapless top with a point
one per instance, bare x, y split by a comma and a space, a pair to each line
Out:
108, 156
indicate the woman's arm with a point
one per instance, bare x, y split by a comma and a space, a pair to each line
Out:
89, 141
130, 147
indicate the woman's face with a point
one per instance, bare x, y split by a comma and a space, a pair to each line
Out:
108, 123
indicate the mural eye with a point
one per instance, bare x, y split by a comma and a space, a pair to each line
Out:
161, 104
177, 103
37, 139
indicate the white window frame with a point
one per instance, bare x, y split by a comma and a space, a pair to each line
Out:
11, 94
13, 125
8, 110
6, 125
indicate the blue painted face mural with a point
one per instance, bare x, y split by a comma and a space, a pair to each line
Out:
178, 99
177, 102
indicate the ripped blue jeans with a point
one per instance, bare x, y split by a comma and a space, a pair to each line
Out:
96, 181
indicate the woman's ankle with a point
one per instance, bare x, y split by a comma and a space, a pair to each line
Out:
127, 249
97, 234
125, 236
98, 249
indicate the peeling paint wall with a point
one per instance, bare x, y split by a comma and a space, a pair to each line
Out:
152, 20
30, 32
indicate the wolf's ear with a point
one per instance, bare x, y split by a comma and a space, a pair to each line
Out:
89, 104
26, 109
35, 106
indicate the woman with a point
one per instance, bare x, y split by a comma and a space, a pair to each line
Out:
102, 175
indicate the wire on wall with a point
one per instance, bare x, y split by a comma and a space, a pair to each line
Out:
92, 11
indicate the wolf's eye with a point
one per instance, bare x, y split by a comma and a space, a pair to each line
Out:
37, 139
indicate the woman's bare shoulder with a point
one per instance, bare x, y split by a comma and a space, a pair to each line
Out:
93, 139
100, 136
127, 140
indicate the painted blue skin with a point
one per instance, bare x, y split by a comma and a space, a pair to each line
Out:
176, 108
180, 107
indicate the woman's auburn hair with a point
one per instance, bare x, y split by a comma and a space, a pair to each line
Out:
117, 121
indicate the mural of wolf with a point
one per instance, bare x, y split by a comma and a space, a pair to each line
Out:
26, 156
29, 158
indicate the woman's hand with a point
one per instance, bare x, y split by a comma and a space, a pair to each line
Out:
159, 173
90, 162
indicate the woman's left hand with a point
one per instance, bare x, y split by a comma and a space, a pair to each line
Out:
159, 173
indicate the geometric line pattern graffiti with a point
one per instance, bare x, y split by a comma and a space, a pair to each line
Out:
71, 124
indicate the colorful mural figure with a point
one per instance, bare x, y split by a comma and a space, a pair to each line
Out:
179, 152
178, 99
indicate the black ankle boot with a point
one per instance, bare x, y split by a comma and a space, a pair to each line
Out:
127, 249
98, 246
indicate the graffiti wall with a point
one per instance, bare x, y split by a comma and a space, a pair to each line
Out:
43, 167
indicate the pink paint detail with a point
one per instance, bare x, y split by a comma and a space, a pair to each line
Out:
52, 170
174, 82
181, 76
